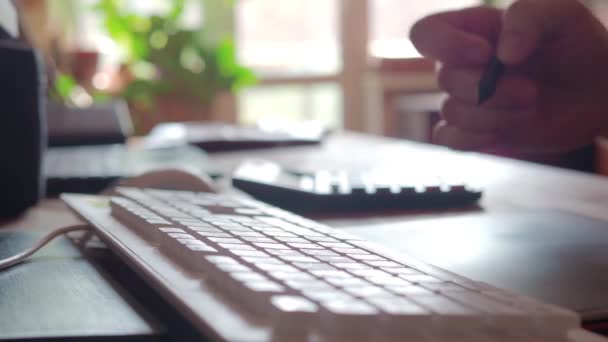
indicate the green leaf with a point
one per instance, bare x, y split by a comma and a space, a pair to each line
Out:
176, 10
226, 57
186, 64
244, 77
64, 85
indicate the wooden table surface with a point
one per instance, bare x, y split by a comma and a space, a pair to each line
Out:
508, 184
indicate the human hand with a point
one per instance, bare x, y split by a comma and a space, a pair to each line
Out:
554, 95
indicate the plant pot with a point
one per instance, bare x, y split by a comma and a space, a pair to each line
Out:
175, 108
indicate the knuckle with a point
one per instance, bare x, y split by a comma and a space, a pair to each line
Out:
439, 133
520, 6
518, 16
444, 77
449, 110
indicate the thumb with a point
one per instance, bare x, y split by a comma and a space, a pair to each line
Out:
528, 22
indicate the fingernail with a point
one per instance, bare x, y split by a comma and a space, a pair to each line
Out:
510, 47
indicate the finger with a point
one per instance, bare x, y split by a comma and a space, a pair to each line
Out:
456, 138
458, 37
470, 117
527, 22
512, 91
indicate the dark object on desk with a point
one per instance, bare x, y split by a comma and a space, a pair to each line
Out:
103, 123
337, 191
489, 80
554, 256
217, 137
22, 132
60, 295
90, 169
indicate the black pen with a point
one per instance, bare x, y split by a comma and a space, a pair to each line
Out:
489, 80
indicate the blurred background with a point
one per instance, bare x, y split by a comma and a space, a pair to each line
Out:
336, 63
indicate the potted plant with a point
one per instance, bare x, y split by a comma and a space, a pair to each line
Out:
171, 73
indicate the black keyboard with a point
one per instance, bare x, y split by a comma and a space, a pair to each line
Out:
346, 190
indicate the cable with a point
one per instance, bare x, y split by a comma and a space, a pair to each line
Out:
8, 262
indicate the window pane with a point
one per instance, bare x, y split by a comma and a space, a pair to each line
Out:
287, 37
321, 103
391, 21
504, 3
601, 10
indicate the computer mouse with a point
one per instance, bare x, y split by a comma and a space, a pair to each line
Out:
170, 179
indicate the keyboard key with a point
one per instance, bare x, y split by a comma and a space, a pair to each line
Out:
335, 245
275, 245
326, 295
284, 276
314, 285
409, 290
349, 317
224, 240
451, 315
263, 260
388, 281
284, 252
320, 252
321, 238
245, 253
292, 239
367, 291
294, 314
305, 246
237, 247
367, 257
420, 278
404, 317
171, 230
352, 266
257, 239
244, 234
346, 282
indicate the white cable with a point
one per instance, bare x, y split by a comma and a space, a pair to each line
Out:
8, 262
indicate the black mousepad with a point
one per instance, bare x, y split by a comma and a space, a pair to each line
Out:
558, 257
58, 294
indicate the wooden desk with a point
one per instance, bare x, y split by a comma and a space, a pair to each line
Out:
509, 185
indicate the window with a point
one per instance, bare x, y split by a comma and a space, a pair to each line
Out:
316, 103
601, 10
391, 21
296, 37
310, 43
294, 47
311, 55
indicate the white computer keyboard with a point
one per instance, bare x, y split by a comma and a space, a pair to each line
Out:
241, 270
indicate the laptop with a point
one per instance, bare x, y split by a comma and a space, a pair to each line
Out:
91, 169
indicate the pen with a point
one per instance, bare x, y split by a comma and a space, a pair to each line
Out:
489, 80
